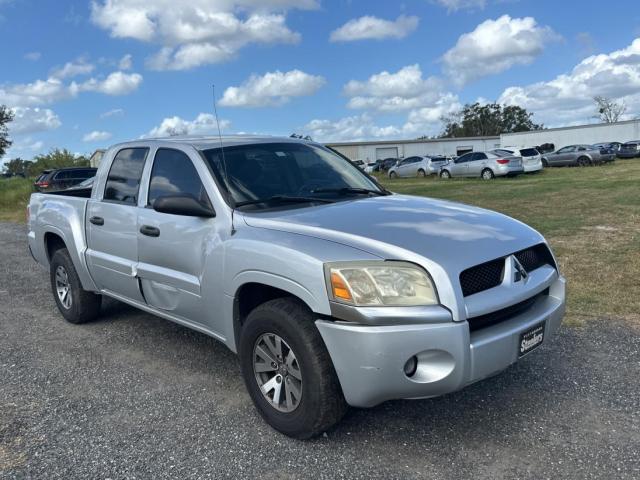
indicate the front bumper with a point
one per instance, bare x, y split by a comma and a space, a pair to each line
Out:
369, 360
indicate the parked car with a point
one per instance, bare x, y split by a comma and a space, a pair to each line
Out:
417, 166
486, 165
615, 146
332, 290
572, 155
546, 148
359, 163
629, 149
531, 157
387, 163
61, 178
607, 152
372, 167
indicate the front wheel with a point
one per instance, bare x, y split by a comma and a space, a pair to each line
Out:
392, 174
75, 304
288, 371
445, 174
421, 173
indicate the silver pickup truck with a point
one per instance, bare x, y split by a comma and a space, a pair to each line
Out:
332, 290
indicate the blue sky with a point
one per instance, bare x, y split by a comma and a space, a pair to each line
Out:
85, 74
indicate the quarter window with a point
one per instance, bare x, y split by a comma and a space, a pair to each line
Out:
173, 173
123, 181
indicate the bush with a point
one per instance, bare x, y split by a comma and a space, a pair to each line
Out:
14, 196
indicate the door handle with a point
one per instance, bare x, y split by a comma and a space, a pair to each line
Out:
150, 231
97, 220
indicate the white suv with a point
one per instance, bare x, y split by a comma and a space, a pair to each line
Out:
531, 157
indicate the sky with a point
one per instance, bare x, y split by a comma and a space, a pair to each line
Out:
82, 74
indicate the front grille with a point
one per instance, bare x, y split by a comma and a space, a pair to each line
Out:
535, 257
483, 321
482, 277
490, 274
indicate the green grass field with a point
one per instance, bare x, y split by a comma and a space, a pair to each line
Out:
590, 216
14, 196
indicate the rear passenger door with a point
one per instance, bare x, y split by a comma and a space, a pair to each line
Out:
173, 249
112, 221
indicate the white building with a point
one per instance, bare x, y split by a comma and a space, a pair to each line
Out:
559, 137
581, 134
377, 150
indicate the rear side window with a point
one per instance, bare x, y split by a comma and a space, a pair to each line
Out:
123, 181
173, 173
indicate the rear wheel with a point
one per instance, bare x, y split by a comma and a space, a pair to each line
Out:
487, 174
75, 304
288, 371
421, 173
445, 174
583, 162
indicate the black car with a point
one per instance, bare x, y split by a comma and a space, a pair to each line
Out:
387, 163
62, 178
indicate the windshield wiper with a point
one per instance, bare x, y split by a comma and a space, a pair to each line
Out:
284, 199
351, 190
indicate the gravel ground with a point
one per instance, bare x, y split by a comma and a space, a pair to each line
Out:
134, 396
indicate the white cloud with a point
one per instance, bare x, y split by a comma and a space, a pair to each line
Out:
568, 98
116, 83
73, 69
401, 90
197, 32
454, 5
369, 27
126, 62
272, 89
357, 127
30, 120
116, 112
96, 136
495, 46
33, 56
52, 90
203, 124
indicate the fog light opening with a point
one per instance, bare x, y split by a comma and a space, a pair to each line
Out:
411, 366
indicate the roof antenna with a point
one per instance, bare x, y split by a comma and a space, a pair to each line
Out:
224, 160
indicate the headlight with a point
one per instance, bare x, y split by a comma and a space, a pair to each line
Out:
380, 284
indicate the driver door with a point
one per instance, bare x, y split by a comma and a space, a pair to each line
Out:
460, 165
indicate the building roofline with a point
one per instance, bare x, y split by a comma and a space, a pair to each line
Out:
426, 140
575, 127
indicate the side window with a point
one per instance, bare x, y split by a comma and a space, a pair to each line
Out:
464, 158
479, 156
123, 181
173, 173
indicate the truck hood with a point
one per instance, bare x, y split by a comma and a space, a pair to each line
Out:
454, 236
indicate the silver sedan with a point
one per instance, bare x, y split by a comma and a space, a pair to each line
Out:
486, 165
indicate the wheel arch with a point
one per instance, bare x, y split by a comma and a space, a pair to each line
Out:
253, 293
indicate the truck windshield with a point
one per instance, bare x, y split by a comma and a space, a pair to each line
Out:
287, 170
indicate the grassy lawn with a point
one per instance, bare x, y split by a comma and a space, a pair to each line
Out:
590, 216
14, 196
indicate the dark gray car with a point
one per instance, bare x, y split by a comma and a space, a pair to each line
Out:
629, 149
572, 155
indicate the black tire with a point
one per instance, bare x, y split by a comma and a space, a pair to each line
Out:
545, 164
84, 306
421, 173
322, 403
445, 174
487, 174
583, 161
392, 175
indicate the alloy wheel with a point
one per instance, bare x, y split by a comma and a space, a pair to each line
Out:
277, 372
63, 288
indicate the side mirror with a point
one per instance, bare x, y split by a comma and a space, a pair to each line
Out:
184, 204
